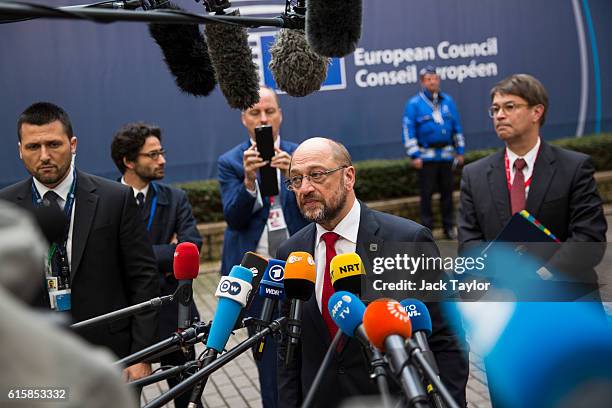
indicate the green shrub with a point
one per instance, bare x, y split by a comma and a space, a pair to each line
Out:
385, 179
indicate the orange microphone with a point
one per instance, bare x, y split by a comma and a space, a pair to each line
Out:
387, 324
300, 276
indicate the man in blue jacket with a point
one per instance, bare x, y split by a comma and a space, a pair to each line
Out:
138, 154
247, 213
434, 141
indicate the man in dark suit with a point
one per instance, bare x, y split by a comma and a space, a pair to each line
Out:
138, 154
104, 261
555, 185
247, 212
322, 178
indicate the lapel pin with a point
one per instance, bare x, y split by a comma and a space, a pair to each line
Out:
373, 247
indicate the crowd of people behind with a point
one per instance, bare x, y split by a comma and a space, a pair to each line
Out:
116, 244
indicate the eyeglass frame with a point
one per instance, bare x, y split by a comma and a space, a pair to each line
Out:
504, 108
156, 153
289, 182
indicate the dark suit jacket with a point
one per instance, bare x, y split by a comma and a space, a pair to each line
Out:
562, 196
172, 215
112, 263
348, 374
244, 228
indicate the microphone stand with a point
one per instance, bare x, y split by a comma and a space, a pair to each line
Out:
422, 362
206, 371
163, 374
196, 332
122, 313
380, 374
326, 361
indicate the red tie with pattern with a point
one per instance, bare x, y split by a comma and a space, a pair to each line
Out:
330, 239
517, 192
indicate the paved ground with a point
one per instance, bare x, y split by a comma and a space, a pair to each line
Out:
237, 385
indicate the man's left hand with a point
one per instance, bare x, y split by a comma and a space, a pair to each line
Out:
459, 159
136, 371
281, 160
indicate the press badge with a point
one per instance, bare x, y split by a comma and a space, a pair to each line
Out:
61, 299
276, 219
437, 116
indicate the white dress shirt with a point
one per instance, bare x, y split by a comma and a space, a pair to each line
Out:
529, 158
348, 229
144, 191
62, 190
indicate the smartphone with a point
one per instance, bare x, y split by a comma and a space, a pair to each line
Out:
268, 183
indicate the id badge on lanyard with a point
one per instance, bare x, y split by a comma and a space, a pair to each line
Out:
276, 219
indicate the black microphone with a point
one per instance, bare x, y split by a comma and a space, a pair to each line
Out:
333, 27
186, 54
271, 289
296, 68
232, 60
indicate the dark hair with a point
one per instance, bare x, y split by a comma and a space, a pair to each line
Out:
43, 113
129, 140
525, 86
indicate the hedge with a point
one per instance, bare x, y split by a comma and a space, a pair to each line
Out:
385, 179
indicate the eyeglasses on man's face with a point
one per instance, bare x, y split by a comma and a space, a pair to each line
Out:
155, 154
317, 177
508, 108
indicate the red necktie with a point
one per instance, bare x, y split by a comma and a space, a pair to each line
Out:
517, 192
330, 239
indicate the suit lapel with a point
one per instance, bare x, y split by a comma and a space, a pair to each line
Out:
498, 186
84, 211
368, 243
543, 172
24, 197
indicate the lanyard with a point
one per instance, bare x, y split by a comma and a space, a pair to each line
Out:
509, 175
153, 207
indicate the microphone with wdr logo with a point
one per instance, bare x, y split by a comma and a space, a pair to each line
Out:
186, 266
347, 273
272, 289
387, 325
300, 276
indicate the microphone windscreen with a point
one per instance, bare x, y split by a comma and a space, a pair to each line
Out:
347, 311
52, 222
233, 62
227, 312
346, 272
257, 264
272, 285
419, 315
385, 317
186, 55
186, 261
296, 69
333, 27
300, 276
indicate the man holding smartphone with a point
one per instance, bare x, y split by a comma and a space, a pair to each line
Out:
258, 219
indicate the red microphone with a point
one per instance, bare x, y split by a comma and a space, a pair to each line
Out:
186, 267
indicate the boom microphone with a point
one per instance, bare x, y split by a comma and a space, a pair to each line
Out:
347, 272
186, 266
186, 55
296, 69
387, 324
333, 27
300, 276
232, 60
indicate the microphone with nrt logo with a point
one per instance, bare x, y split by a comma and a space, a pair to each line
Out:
272, 289
347, 273
186, 266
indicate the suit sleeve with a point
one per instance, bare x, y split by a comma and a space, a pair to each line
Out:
186, 231
288, 372
140, 272
469, 230
237, 201
585, 246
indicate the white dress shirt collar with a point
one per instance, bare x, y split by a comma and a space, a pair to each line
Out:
62, 189
347, 228
144, 191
